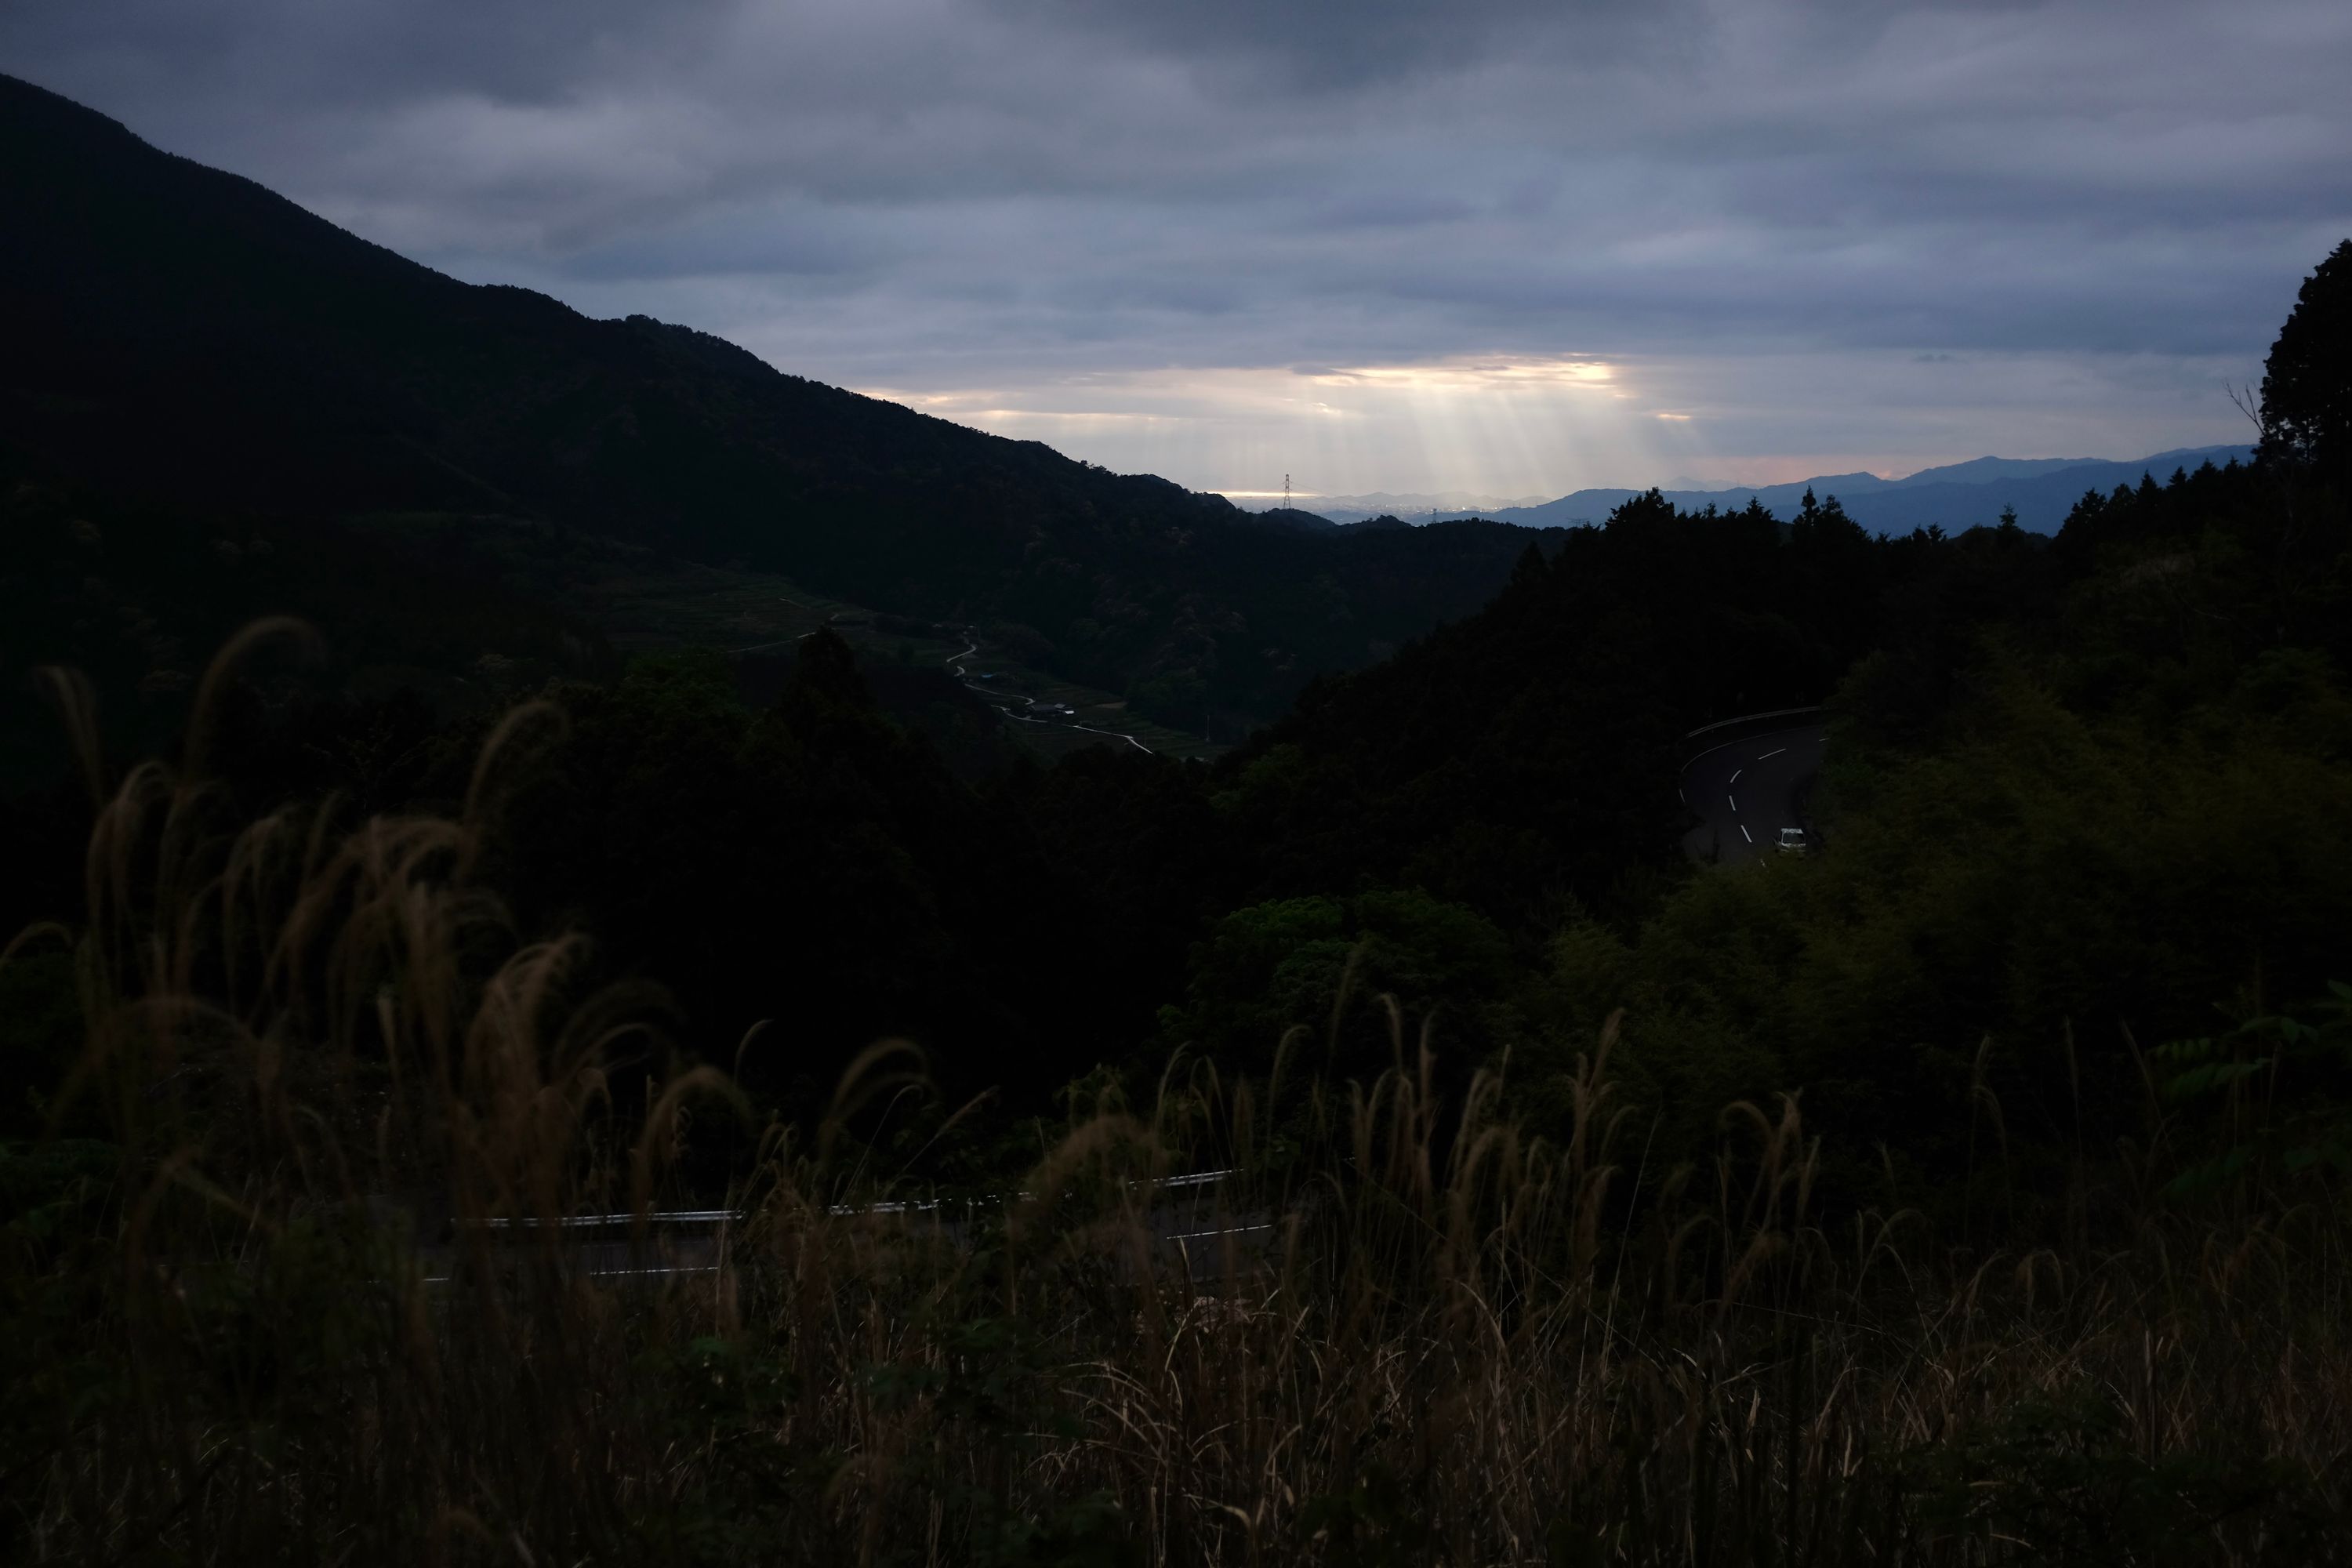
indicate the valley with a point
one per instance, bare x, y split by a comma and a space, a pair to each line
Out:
753, 615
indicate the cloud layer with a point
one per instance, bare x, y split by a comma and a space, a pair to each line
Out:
1353, 242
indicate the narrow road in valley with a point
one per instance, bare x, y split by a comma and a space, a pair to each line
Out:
1001, 700
1745, 791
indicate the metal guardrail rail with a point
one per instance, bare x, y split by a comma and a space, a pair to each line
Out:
1706, 738
694, 1241
732, 1216
1754, 718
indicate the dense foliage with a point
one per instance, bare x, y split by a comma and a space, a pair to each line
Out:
138, 596
2104, 802
2080, 787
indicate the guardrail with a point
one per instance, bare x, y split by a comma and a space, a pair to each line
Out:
1706, 737
596, 1221
1751, 717
735, 1217
686, 1242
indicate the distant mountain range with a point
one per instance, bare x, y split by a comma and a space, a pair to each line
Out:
1955, 497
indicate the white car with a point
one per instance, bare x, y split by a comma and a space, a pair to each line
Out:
1792, 841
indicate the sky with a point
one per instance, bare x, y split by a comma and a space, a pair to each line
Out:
1509, 247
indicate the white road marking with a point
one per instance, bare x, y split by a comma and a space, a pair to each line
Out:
1745, 834
1736, 773
1773, 754
1735, 806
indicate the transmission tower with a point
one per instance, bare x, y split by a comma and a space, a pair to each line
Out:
1285, 492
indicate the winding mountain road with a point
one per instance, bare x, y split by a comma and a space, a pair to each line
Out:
1003, 700
1745, 791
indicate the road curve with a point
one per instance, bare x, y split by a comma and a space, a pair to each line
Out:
1744, 792
1001, 700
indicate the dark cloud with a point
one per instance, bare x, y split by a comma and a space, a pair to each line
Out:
1851, 226
367, 52
1323, 46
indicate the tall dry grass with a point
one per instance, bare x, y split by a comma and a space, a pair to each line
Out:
293, 1317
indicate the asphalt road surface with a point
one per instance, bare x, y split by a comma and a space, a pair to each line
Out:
1745, 791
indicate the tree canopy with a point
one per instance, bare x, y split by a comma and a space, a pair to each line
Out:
2307, 410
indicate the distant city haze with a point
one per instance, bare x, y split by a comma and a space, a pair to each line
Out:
1505, 249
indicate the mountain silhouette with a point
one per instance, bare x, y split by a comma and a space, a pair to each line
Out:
183, 334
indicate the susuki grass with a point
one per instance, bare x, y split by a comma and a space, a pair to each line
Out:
262, 1319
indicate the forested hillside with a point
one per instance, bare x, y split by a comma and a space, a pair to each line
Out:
2080, 785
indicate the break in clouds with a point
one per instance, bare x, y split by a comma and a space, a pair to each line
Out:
1493, 246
